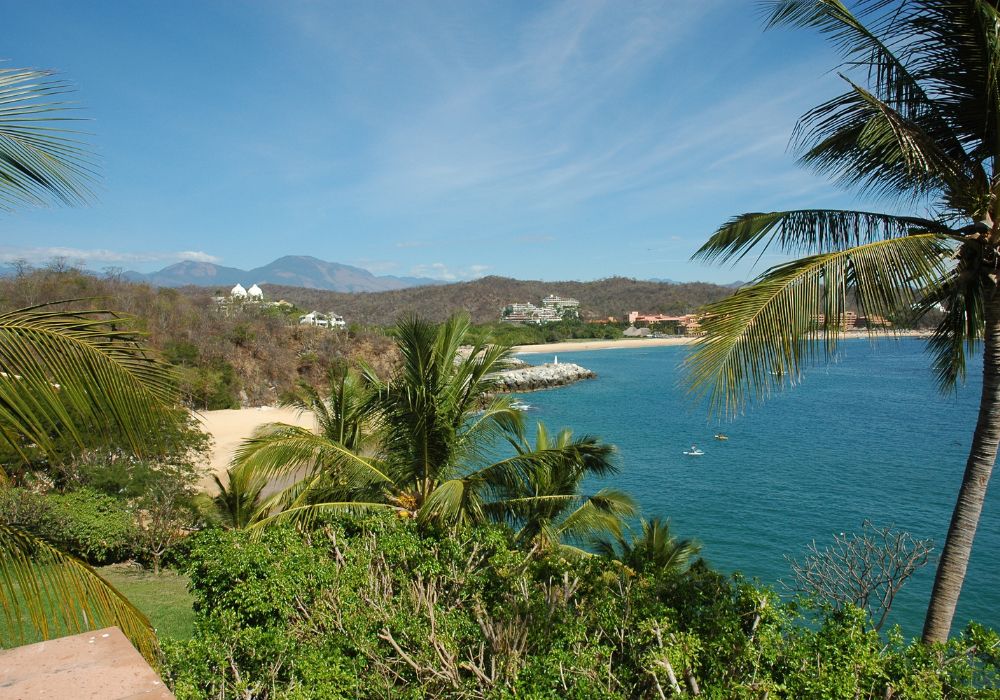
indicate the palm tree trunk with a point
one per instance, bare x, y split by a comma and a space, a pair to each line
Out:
961, 532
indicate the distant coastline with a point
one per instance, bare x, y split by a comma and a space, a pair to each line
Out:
631, 343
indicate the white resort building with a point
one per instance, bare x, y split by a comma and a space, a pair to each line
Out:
553, 308
562, 305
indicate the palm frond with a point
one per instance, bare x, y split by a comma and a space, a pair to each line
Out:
878, 38
955, 48
80, 376
760, 338
282, 449
807, 232
960, 330
867, 144
40, 159
597, 515
46, 593
238, 502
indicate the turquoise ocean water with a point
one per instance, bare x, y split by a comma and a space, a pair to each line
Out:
869, 436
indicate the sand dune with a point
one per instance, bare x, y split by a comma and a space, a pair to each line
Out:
230, 427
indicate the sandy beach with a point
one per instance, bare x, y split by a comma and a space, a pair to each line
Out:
230, 427
627, 343
578, 345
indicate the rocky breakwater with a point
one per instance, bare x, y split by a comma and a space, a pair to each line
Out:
547, 376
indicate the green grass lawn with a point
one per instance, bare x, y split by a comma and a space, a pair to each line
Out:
164, 599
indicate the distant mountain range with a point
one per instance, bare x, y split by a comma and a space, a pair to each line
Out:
290, 270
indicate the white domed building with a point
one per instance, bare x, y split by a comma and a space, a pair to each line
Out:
238, 292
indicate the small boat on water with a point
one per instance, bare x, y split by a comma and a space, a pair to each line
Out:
694, 452
518, 405
721, 436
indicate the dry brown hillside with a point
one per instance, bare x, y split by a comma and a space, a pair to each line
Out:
484, 298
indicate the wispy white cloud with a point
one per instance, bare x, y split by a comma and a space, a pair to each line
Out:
377, 267
90, 256
440, 271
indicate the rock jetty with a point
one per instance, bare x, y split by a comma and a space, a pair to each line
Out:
547, 376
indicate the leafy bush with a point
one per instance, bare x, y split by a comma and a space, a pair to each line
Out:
90, 525
379, 608
93, 526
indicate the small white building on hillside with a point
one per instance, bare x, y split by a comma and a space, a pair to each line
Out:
327, 320
255, 293
238, 292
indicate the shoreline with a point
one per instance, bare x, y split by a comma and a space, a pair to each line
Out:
631, 343
578, 345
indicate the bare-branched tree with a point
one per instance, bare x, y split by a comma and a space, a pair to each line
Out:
866, 569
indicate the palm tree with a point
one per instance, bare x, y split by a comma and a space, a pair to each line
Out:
431, 438
654, 549
921, 126
323, 467
546, 506
64, 377
239, 502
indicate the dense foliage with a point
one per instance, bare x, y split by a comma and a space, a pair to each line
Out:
85, 523
381, 608
530, 334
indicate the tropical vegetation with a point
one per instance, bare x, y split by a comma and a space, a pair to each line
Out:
424, 444
918, 127
380, 607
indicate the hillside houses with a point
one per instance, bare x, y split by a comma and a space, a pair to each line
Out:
320, 320
553, 308
243, 300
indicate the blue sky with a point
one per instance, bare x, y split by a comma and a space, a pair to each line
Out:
541, 140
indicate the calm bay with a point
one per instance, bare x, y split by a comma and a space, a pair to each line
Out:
868, 436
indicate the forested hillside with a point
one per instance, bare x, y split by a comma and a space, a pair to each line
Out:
248, 356
484, 298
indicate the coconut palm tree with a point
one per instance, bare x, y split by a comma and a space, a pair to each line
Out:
918, 125
653, 549
321, 467
239, 502
65, 378
546, 506
431, 452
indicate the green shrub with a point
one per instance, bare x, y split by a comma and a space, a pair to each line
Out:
93, 526
90, 525
380, 607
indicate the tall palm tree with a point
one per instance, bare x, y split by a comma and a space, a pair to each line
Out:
653, 549
64, 378
919, 126
432, 452
546, 506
